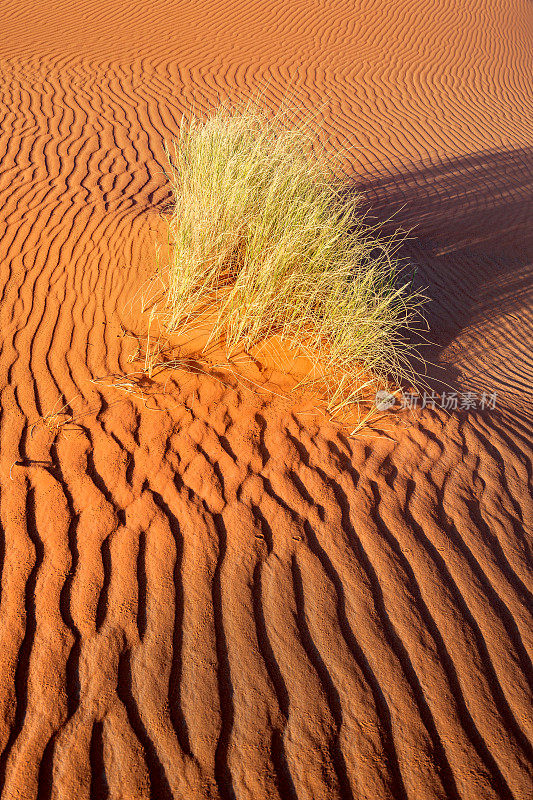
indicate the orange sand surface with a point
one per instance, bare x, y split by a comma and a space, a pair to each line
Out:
207, 594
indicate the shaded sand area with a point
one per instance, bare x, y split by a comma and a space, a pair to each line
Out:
208, 595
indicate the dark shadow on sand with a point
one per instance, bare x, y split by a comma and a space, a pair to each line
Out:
471, 222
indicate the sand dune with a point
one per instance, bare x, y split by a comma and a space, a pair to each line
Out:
208, 594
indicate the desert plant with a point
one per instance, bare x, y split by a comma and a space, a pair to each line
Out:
264, 237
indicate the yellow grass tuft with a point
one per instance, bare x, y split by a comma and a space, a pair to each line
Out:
264, 239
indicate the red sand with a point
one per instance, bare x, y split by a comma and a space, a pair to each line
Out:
209, 595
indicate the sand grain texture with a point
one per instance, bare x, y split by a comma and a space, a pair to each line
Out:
208, 595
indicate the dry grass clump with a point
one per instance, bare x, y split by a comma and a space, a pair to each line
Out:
263, 237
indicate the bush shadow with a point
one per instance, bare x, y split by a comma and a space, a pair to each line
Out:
471, 244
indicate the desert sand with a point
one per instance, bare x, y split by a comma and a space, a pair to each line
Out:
208, 594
